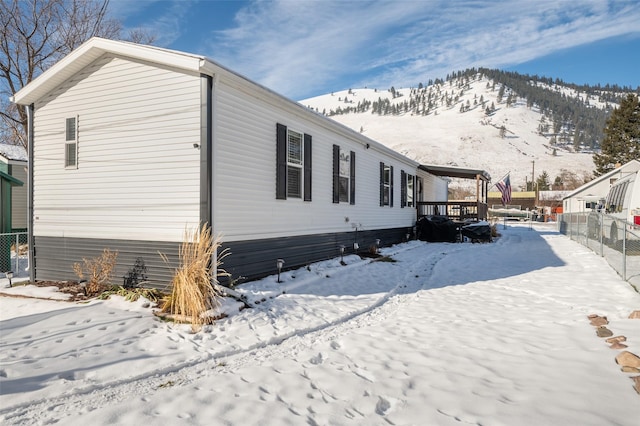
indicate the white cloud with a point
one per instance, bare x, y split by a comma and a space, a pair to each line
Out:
166, 26
301, 48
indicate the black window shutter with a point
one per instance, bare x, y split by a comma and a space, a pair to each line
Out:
336, 174
414, 179
281, 162
352, 179
403, 189
307, 167
381, 184
391, 186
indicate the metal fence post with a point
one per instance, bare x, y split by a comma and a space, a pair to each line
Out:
16, 256
601, 217
579, 230
624, 251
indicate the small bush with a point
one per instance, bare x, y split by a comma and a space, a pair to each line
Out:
98, 271
135, 275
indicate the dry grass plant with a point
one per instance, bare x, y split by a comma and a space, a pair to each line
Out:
192, 288
98, 271
494, 231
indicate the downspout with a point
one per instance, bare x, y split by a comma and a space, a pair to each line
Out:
206, 139
206, 160
31, 257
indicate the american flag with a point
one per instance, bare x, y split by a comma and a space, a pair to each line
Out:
504, 186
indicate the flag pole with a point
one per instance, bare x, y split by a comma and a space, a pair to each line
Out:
507, 174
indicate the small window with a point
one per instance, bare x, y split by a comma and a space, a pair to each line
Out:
410, 190
386, 185
294, 164
345, 172
344, 176
71, 143
71, 129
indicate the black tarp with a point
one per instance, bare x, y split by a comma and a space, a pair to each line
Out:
480, 231
437, 229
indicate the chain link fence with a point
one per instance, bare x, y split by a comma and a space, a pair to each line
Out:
616, 240
14, 253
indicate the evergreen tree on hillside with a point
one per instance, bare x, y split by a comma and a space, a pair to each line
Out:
621, 142
542, 183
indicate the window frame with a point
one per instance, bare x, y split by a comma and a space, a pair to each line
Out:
295, 163
410, 191
386, 185
344, 176
71, 143
284, 162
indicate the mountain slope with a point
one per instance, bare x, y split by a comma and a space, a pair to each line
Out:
468, 122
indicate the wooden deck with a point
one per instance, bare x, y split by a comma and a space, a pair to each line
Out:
458, 211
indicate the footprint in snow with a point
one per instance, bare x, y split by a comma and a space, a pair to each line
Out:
382, 406
318, 359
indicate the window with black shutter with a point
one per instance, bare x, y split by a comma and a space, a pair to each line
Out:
293, 164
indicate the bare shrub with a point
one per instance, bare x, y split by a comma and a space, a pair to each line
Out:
192, 288
98, 271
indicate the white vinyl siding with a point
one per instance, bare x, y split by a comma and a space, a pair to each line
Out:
244, 173
139, 174
431, 187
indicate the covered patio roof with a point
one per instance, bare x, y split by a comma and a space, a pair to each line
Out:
456, 172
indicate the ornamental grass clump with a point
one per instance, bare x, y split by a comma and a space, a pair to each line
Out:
193, 292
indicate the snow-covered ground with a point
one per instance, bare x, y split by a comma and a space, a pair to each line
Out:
449, 334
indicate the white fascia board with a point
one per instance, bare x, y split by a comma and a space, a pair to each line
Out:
93, 49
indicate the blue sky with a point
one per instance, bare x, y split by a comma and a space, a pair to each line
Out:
304, 48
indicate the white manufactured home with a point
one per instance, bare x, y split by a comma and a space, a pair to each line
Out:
587, 197
130, 145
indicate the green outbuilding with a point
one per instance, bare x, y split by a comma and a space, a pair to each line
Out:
12, 200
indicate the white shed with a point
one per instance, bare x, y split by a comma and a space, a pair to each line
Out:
132, 144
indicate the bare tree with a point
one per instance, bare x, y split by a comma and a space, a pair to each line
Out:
35, 34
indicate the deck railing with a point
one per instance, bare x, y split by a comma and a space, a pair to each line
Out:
454, 210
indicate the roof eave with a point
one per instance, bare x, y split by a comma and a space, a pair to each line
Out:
93, 49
